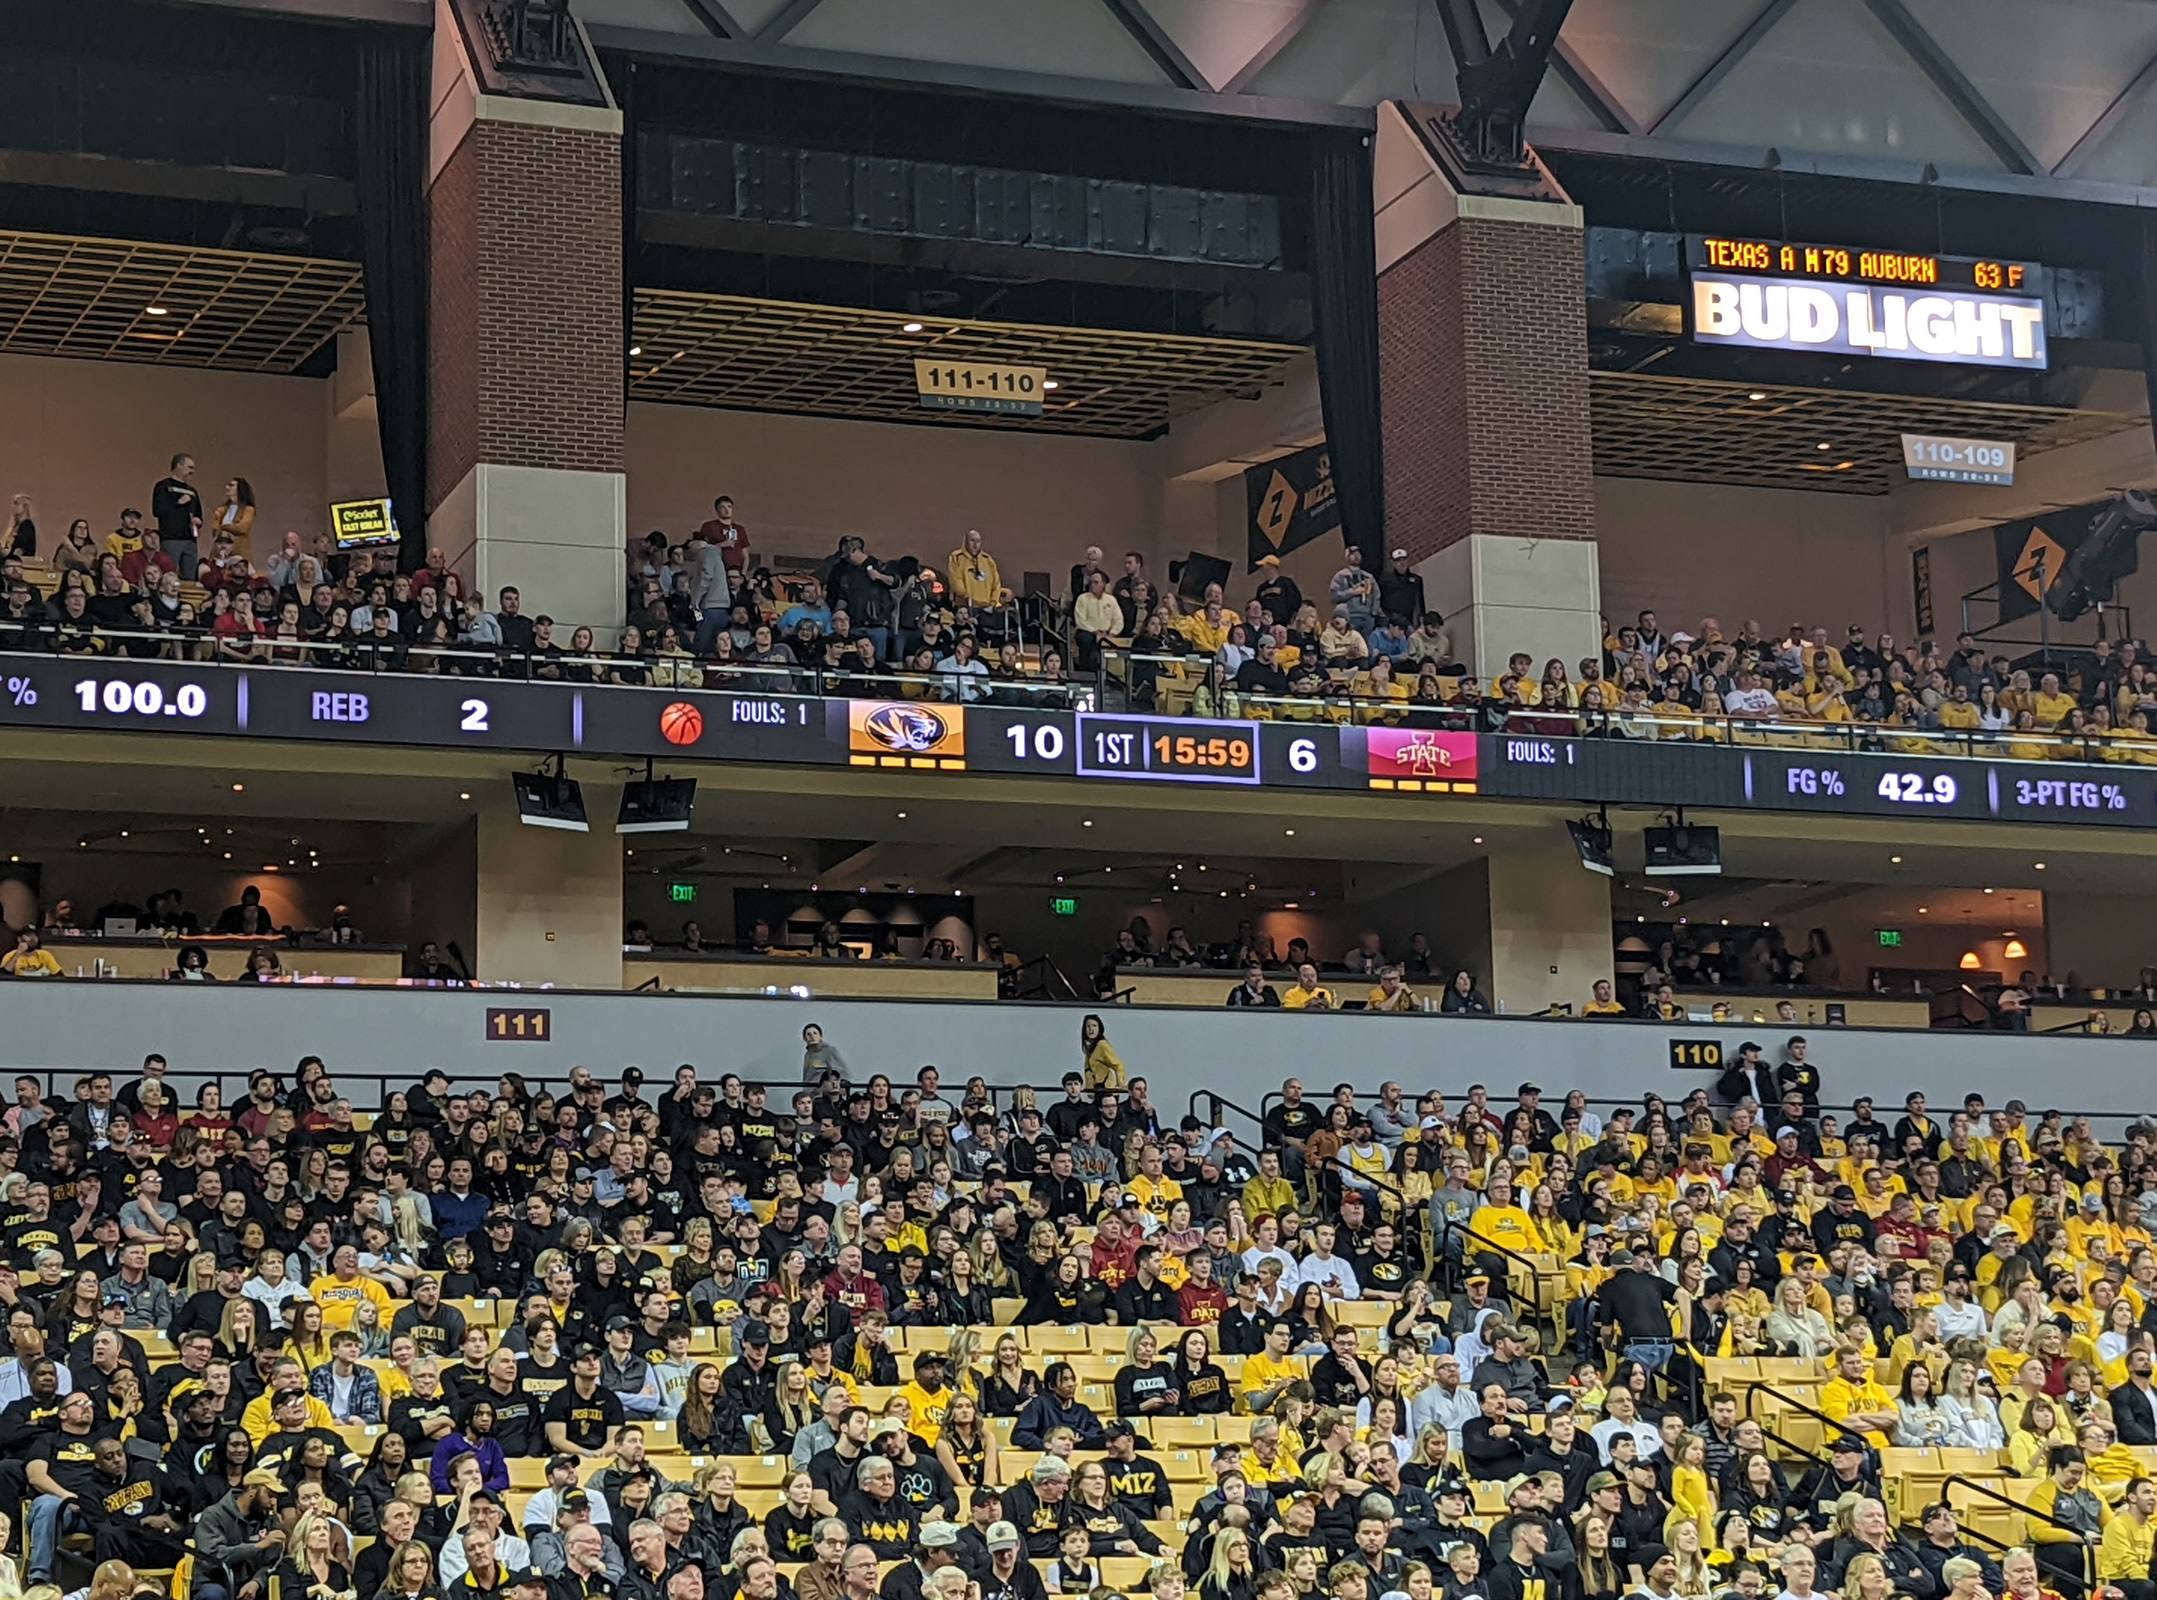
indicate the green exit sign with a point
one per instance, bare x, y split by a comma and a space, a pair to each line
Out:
1890, 938
1063, 905
682, 894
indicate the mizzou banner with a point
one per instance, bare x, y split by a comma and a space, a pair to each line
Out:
2049, 539
1291, 502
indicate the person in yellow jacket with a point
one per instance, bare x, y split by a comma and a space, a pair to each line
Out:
1855, 1398
287, 1377
1307, 993
1104, 1068
975, 580
1268, 1194
2123, 1554
1500, 1222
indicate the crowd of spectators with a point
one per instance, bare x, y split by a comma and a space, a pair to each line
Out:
1362, 1283
705, 611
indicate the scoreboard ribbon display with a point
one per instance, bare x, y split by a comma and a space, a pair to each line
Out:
1415, 766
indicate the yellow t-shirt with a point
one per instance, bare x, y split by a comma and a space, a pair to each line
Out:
926, 1411
1155, 1194
1840, 1398
1261, 1372
1296, 997
1508, 1226
38, 963
256, 1418
340, 1300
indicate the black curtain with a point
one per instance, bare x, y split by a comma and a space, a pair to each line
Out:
622, 78
2148, 330
390, 131
1344, 318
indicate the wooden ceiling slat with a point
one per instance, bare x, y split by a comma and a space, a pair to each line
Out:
752, 354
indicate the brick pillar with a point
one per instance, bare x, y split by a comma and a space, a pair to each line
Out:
1483, 372
525, 465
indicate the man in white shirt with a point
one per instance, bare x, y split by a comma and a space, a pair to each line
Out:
1798, 1568
965, 679
1624, 1418
485, 1512
1959, 1316
1750, 698
539, 1511
1330, 1272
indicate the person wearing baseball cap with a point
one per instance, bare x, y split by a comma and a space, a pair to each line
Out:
1400, 589
1010, 1575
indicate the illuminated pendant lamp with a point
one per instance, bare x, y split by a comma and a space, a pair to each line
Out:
2014, 949
1969, 962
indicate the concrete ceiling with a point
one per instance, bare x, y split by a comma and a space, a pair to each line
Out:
2037, 95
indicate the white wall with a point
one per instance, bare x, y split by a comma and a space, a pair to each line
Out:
65, 1026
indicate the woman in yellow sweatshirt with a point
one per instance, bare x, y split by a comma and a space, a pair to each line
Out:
1104, 1068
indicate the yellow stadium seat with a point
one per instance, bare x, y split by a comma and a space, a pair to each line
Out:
1363, 1313
527, 1472
1231, 1429
1007, 1309
661, 1438
762, 1472
478, 1313
1053, 1341
1125, 1572
1186, 1466
1787, 1372
1181, 1433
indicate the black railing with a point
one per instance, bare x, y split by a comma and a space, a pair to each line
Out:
2087, 1550
647, 668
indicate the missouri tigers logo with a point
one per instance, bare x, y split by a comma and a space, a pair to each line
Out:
906, 729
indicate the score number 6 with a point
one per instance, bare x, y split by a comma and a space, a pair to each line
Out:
1302, 755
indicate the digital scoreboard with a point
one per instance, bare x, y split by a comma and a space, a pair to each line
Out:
1415, 765
1844, 264
1840, 300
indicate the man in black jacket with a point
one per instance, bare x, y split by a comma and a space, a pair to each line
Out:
1495, 1443
1063, 1189
500, 1263
1145, 1298
2134, 1403
1942, 1543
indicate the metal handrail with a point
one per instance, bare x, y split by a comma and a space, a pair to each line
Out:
2088, 1550
395, 654
643, 671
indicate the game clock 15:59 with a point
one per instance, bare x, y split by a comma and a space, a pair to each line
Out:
1179, 750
